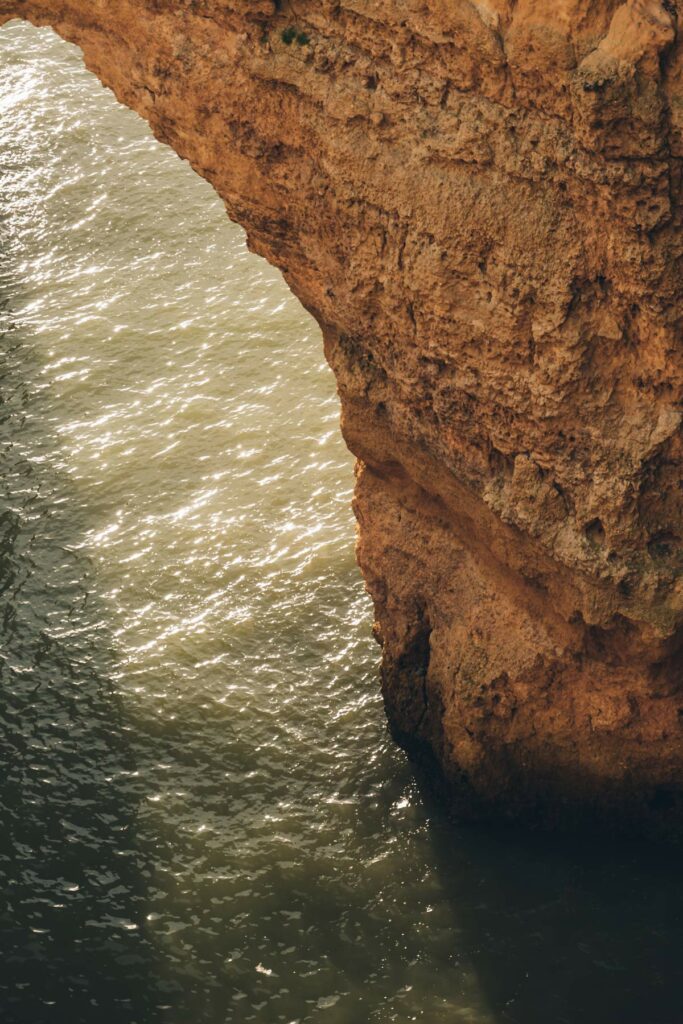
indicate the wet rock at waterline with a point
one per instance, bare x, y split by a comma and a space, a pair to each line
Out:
480, 203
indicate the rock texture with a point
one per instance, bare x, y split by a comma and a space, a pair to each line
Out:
480, 203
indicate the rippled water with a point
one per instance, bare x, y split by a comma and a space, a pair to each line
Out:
203, 819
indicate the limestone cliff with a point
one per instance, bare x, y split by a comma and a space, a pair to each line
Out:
480, 203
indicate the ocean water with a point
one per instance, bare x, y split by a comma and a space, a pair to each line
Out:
202, 818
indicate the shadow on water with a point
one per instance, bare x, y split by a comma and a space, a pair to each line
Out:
565, 929
71, 871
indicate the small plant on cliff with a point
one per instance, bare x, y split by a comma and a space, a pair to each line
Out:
290, 34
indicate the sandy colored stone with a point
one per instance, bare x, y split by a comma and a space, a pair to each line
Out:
480, 203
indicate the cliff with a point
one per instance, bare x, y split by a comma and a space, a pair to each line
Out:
480, 203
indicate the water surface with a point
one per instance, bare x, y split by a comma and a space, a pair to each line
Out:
203, 819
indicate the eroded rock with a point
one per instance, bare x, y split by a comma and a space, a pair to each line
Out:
480, 203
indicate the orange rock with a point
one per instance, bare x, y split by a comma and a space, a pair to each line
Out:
480, 203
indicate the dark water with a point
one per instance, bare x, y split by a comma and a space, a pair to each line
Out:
203, 820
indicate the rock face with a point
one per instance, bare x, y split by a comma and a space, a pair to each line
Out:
480, 203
